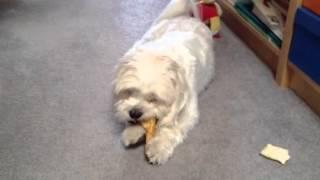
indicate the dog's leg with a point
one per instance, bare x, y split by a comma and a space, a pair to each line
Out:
161, 147
132, 135
169, 135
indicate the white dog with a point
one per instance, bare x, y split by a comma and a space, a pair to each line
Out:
161, 76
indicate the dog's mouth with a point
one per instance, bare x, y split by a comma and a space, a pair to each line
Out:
137, 121
133, 121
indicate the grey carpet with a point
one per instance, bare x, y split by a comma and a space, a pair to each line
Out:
56, 61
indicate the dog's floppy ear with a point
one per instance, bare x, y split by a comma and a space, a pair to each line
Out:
181, 85
121, 69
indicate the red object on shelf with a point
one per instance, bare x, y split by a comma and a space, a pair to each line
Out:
209, 14
207, 11
313, 5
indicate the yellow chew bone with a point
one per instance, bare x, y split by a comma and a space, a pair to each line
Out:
150, 127
276, 153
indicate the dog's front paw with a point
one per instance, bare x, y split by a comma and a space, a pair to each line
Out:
132, 135
158, 151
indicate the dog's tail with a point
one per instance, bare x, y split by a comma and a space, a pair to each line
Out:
178, 8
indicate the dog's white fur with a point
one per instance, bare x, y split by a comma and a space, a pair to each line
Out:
162, 75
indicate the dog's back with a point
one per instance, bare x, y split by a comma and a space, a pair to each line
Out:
184, 39
187, 41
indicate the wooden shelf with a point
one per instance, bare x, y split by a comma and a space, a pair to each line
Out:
262, 47
287, 74
304, 87
282, 69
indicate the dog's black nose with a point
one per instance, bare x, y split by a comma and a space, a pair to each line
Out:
135, 113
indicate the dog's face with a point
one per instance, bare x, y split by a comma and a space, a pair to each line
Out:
147, 86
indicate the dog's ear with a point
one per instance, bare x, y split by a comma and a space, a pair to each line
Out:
121, 69
181, 85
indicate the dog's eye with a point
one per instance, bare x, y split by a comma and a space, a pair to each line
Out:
127, 93
152, 99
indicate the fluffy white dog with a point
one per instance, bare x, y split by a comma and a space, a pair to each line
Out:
161, 76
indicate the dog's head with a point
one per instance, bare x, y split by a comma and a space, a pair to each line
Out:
148, 85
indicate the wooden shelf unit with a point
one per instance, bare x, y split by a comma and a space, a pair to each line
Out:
286, 73
263, 48
304, 87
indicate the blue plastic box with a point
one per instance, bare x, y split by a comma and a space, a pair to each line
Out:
305, 47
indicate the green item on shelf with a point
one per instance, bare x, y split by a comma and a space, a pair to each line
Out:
244, 1
245, 10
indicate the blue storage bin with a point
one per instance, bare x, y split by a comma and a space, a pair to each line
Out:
305, 47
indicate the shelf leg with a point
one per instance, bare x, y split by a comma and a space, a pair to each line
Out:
282, 69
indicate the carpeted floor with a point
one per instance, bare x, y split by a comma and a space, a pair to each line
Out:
56, 122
